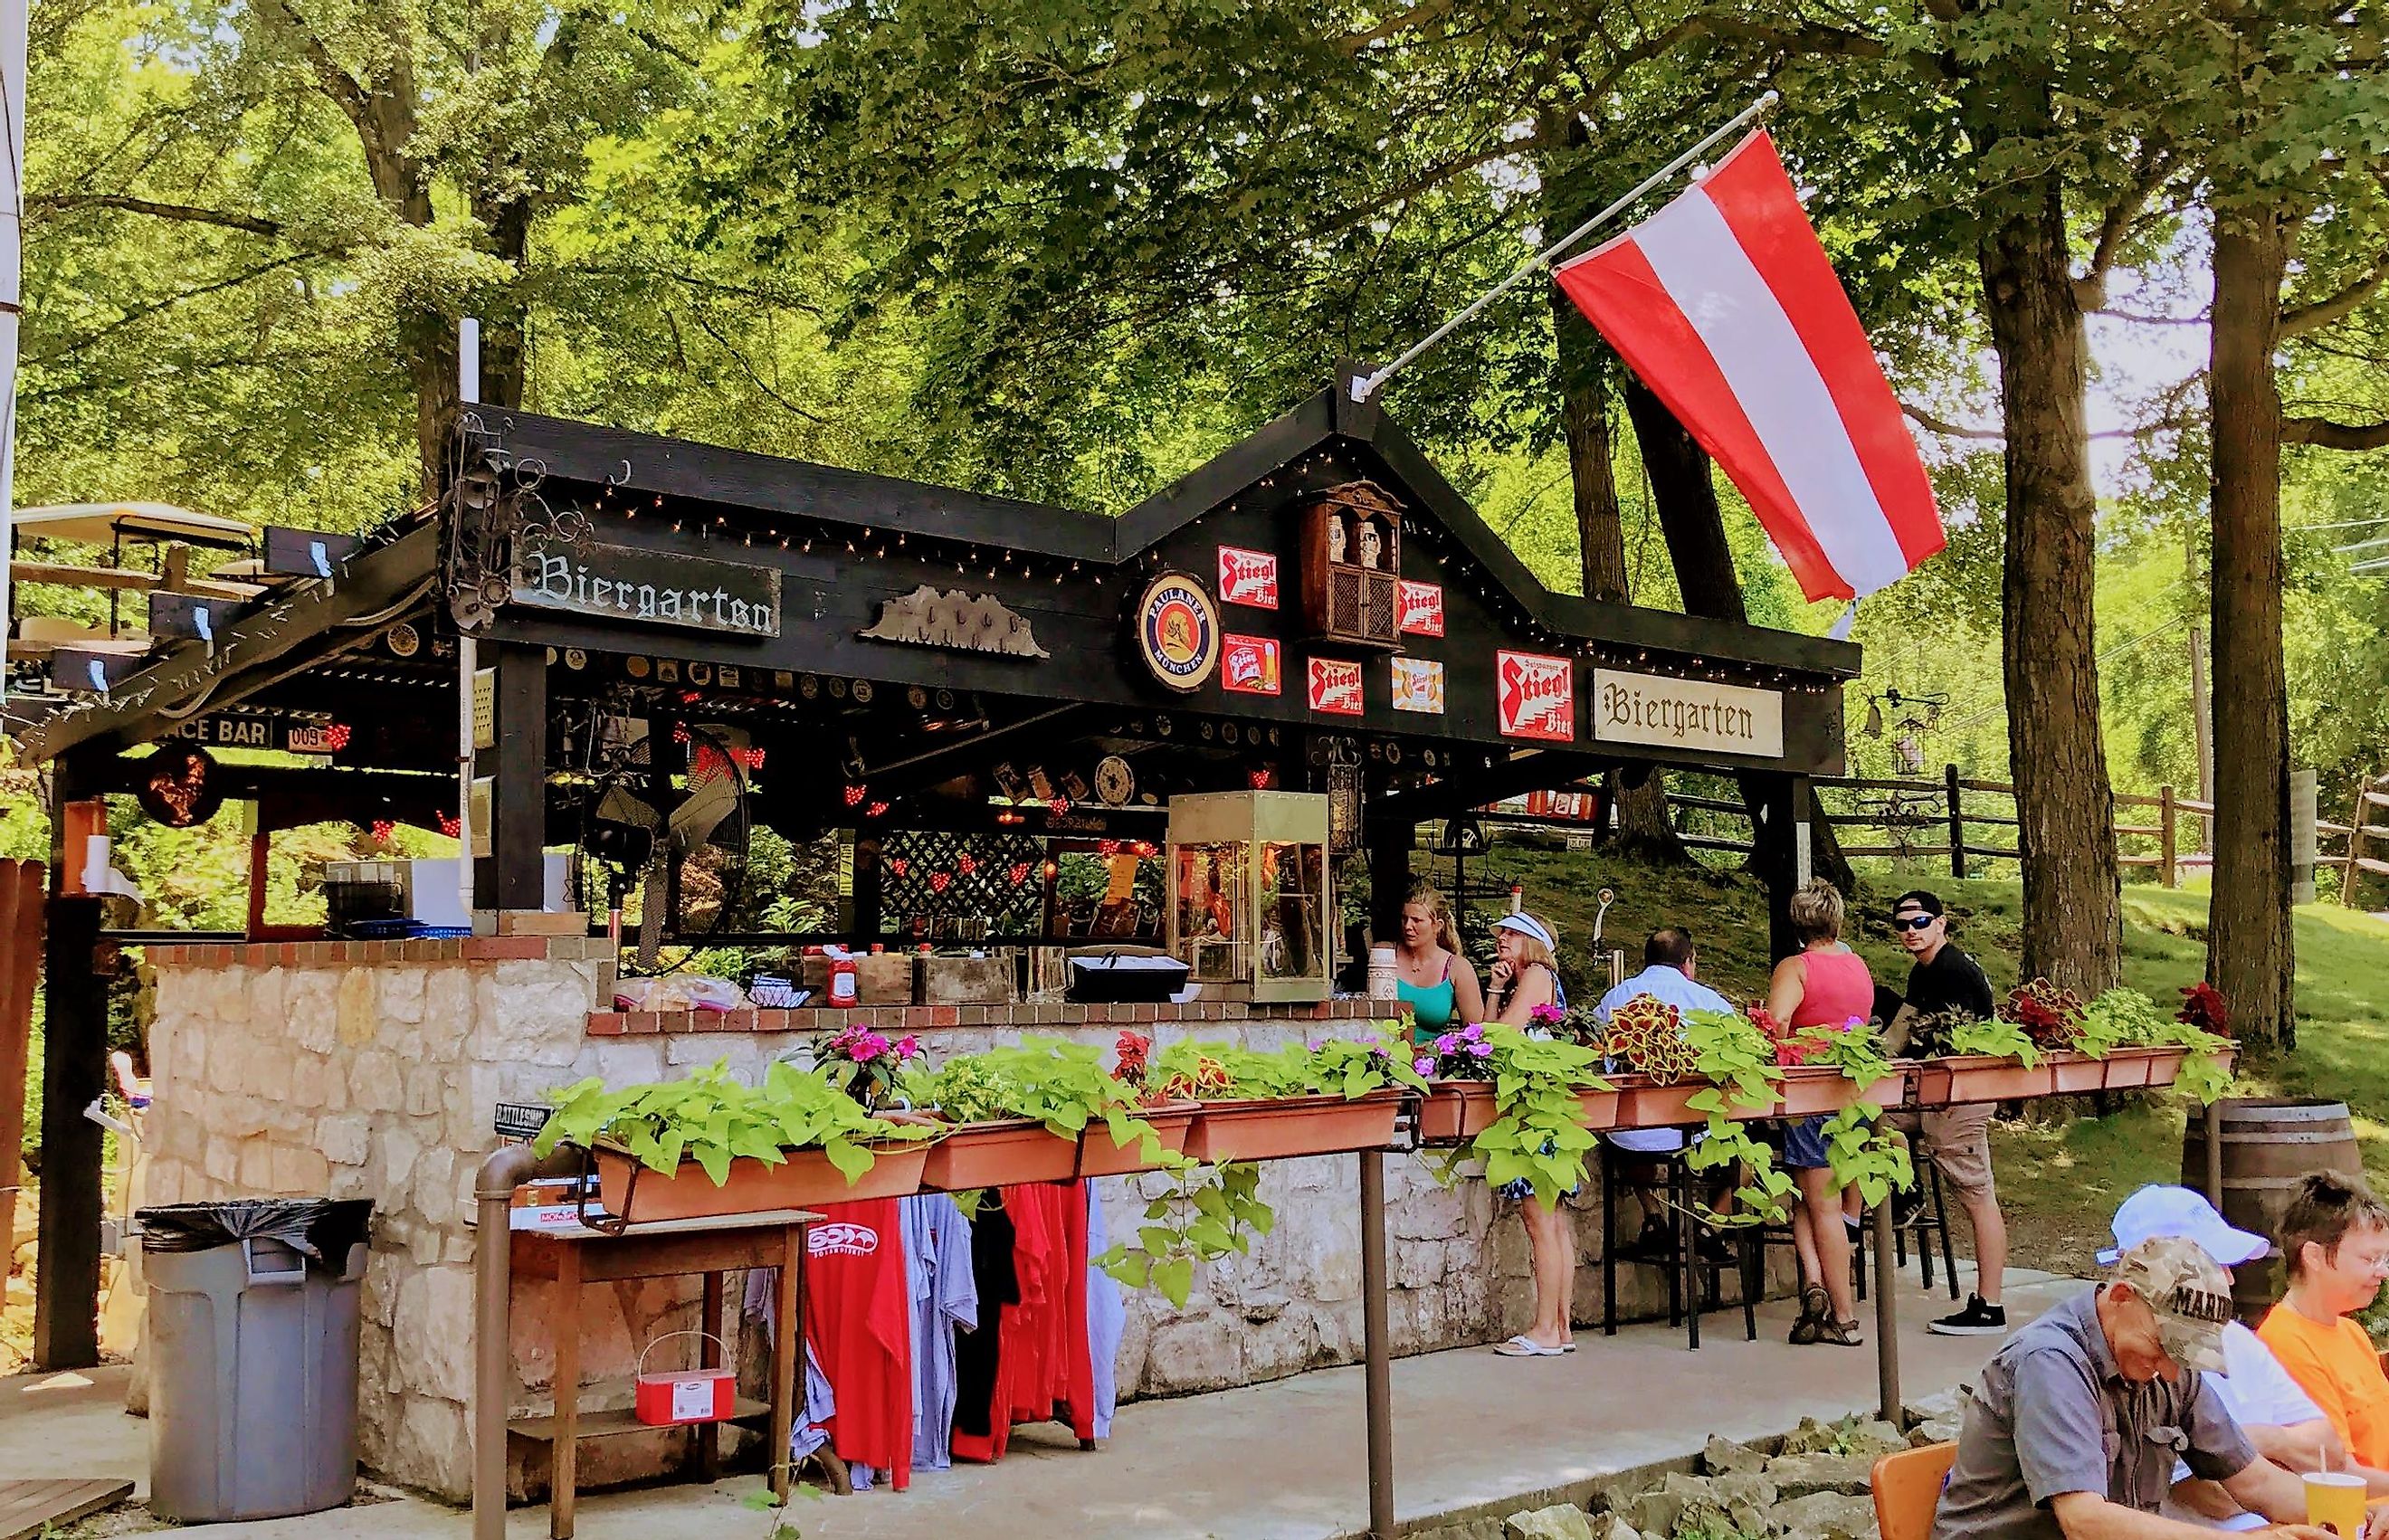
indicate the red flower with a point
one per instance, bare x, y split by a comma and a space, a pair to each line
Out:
1133, 1048
2203, 1006
2049, 1015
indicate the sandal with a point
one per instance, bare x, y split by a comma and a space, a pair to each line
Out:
1816, 1306
1524, 1346
1840, 1333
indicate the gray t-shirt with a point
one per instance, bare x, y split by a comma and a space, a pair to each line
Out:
2054, 1415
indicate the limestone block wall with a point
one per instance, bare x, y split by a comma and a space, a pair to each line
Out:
372, 1070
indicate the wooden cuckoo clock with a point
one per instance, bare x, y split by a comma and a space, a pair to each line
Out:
1352, 557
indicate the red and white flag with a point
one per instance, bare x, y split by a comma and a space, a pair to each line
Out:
1727, 306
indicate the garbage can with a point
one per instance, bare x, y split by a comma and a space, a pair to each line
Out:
253, 1356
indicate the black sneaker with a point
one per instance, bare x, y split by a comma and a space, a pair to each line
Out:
1976, 1321
1906, 1207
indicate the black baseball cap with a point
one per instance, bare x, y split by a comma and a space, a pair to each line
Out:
1929, 902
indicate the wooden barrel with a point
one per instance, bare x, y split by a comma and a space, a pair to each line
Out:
2269, 1143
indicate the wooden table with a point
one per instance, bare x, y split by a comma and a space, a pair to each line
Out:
669, 1248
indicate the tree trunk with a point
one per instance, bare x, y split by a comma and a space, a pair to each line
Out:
1643, 826
2249, 940
2073, 927
1690, 518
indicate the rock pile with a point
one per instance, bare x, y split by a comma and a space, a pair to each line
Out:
1811, 1486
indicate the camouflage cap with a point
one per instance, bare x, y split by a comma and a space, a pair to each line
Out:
2188, 1293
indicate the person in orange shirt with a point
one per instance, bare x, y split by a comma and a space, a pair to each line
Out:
2334, 1235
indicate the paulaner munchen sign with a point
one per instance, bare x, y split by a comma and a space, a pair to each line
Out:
1680, 713
616, 582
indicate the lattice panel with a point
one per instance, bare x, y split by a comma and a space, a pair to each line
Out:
951, 877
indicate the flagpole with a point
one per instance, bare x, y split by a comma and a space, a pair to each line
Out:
1364, 386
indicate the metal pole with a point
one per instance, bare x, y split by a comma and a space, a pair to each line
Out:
1886, 1314
1377, 1348
1365, 385
468, 656
13, 31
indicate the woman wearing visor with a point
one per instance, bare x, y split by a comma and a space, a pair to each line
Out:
1523, 978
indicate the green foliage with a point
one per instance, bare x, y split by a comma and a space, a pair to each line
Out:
712, 1117
1863, 1151
2122, 1018
1997, 1040
1537, 1133
1195, 1224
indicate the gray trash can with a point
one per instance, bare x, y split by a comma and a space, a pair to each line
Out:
253, 1356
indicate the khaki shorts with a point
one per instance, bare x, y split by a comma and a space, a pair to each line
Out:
1959, 1141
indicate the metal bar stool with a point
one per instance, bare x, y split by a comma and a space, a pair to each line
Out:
1682, 1259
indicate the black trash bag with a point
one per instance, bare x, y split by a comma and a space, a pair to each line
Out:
321, 1230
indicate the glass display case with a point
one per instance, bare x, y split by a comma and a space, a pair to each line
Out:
1248, 894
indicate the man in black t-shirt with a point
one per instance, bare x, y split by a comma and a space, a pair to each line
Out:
1941, 978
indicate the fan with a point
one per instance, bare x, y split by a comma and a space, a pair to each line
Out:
681, 838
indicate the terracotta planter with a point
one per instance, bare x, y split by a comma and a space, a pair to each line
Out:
1268, 1128
1809, 1089
1100, 1155
1454, 1112
1004, 1152
1966, 1078
1643, 1105
806, 1179
2076, 1073
1598, 1110
2133, 1068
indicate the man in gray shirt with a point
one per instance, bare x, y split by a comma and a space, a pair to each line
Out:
2074, 1431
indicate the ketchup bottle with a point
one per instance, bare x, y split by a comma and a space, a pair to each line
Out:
842, 989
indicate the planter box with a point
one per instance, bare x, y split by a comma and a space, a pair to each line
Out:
637, 1196
1272, 1128
1100, 1155
2077, 1072
1457, 1111
1454, 1112
1645, 1105
1005, 1152
1809, 1089
2133, 1068
1966, 1078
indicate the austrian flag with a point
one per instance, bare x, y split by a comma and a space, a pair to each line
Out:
1727, 306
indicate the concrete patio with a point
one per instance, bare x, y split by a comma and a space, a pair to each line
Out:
1475, 1435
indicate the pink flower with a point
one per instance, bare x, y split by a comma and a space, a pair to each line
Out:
867, 1047
1423, 1065
1448, 1043
908, 1047
1472, 1031
1480, 1051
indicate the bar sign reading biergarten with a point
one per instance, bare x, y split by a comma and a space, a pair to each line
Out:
1683, 713
616, 582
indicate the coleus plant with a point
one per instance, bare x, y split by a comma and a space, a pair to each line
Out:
2049, 1015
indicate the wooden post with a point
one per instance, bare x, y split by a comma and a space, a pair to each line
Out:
1774, 853
74, 1071
1957, 824
1886, 1314
260, 847
2347, 874
20, 936
2168, 872
1389, 848
1376, 1338
514, 875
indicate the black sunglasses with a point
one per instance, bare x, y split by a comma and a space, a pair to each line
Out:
1913, 921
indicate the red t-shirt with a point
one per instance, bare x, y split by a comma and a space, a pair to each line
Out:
855, 1299
1046, 1369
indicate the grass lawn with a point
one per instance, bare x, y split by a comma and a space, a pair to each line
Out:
2061, 1173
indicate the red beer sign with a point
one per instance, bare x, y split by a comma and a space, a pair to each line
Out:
1536, 696
1419, 607
1249, 665
1247, 577
1335, 687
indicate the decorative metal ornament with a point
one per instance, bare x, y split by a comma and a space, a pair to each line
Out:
968, 622
493, 503
1115, 780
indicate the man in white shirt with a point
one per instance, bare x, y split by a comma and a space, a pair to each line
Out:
2280, 1419
1669, 965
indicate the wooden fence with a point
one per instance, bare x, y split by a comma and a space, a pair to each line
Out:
1957, 820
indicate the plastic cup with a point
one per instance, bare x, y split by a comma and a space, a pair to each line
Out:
2335, 1502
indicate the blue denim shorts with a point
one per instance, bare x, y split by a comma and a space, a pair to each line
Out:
1804, 1144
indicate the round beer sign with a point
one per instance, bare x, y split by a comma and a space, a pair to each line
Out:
1178, 631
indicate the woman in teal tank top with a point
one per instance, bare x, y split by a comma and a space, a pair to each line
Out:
1431, 977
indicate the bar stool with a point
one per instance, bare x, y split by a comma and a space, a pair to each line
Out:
1679, 1183
1932, 1219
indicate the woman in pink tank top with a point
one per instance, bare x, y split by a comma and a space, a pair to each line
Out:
1823, 983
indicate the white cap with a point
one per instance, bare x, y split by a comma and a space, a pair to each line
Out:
2159, 1210
1524, 924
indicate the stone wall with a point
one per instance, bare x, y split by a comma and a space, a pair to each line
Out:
372, 1070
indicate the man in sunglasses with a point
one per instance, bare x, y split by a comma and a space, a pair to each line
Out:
1942, 978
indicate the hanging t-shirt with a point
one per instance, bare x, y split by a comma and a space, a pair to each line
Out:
855, 1308
981, 1424
944, 1298
1106, 1320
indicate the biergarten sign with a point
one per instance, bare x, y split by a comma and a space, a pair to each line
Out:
1685, 713
656, 588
